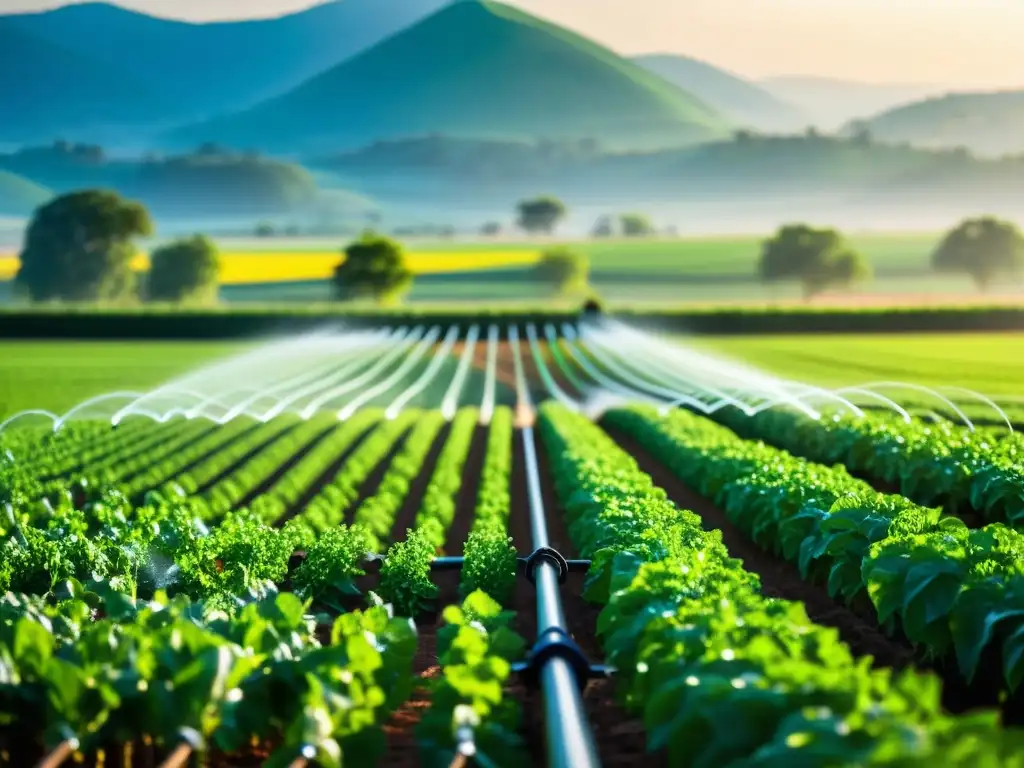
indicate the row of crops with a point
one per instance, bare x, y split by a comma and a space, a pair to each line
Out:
396, 587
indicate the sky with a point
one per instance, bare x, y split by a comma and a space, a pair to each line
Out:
962, 43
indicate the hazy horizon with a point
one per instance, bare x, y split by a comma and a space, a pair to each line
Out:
951, 43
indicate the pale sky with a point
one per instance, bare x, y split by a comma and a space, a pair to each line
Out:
964, 43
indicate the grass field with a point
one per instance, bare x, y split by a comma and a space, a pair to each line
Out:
57, 376
990, 364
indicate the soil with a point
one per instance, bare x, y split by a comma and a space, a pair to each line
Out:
284, 468
465, 502
325, 478
406, 516
243, 435
620, 738
234, 467
373, 480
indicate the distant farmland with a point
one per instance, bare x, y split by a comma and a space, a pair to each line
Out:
656, 271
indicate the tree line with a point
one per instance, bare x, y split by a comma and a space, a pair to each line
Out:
81, 245
986, 249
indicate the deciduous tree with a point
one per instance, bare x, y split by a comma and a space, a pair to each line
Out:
818, 258
985, 248
185, 270
568, 272
541, 215
79, 247
374, 268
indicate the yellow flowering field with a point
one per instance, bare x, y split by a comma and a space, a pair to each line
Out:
295, 266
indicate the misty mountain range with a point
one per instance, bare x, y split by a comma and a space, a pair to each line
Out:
354, 79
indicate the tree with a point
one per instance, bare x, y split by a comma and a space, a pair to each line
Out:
374, 268
817, 258
985, 248
491, 229
541, 215
636, 225
185, 270
79, 247
566, 271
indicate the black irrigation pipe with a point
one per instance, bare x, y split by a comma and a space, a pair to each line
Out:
556, 660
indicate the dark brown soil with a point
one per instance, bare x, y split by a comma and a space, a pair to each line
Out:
230, 470
373, 480
243, 435
285, 467
778, 578
401, 729
619, 738
465, 502
325, 478
406, 517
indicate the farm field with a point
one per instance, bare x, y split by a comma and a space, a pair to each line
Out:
697, 270
56, 375
236, 534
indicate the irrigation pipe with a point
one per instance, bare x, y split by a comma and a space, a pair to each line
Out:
570, 742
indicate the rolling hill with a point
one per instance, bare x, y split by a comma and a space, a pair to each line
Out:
47, 89
19, 196
745, 102
206, 68
478, 69
831, 103
986, 123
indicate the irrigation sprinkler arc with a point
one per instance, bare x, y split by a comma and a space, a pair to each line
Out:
490, 375
428, 375
765, 388
542, 368
93, 401
641, 346
54, 418
307, 383
397, 375
637, 383
338, 376
368, 375
983, 398
602, 381
924, 390
450, 401
551, 335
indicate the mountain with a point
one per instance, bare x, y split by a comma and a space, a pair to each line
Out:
46, 88
19, 196
206, 68
745, 102
830, 103
478, 69
986, 123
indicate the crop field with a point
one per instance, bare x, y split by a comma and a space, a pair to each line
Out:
568, 546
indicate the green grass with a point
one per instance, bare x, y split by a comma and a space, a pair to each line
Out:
57, 376
988, 363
